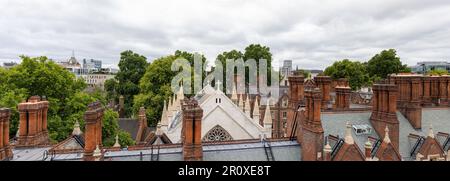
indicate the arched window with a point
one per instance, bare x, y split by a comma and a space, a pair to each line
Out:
217, 133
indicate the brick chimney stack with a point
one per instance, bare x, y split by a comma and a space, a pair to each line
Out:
324, 83
192, 130
296, 97
93, 132
384, 111
33, 122
142, 124
409, 99
5, 149
342, 97
312, 138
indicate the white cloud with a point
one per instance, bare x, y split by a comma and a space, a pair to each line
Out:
312, 33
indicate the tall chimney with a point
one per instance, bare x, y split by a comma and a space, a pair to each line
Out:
142, 123
312, 138
324, 83
33, 122
296, 97
5, 149
192, 129
93, 132
409, 101
342, 97
384, 111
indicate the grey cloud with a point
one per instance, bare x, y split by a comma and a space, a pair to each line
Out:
312, 33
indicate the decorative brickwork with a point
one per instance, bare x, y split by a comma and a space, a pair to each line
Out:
33, 122
5, 149
191, 130
93, 132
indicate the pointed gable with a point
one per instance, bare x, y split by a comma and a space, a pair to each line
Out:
430, 148
348, 152
387, 152
74, 143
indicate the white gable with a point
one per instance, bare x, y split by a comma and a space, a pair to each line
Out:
218, 109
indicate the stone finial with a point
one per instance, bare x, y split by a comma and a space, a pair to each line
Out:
386, 135
327, 148
97, 152
164, 113
158, 129
234, 96
181, 93
431, 132
267, 114
76, 129
368, 144
116, 144
256, 113
348, 134
247, 106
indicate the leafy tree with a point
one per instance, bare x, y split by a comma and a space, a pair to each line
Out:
155, 85
39, 76
132, 68
258, 53
439, 72
223, 57
305, 73
354, 71
155, 88
385, 63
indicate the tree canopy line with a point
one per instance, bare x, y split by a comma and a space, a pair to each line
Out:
68, 102
145, 84
363, 74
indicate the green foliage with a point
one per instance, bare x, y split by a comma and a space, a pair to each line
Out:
38, 76
355, 72
223, 57
111, 128
155, 88
305, 73
439, 72
385, 63
258, 53
132, 68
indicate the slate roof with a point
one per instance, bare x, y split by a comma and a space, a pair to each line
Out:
282, 151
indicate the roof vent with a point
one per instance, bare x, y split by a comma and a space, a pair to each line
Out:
362, 129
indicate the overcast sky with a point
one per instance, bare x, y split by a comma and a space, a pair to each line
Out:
311, 33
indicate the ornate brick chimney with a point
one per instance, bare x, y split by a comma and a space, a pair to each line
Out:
409, 101
312, 138
324, 83
93, 132
192, 130
5, 149
33, 122
384, 111
342, 97
296, 97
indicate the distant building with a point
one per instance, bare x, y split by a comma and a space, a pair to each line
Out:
424, 67
286, 69
72, 65
96, 80
92, 64
9, 65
